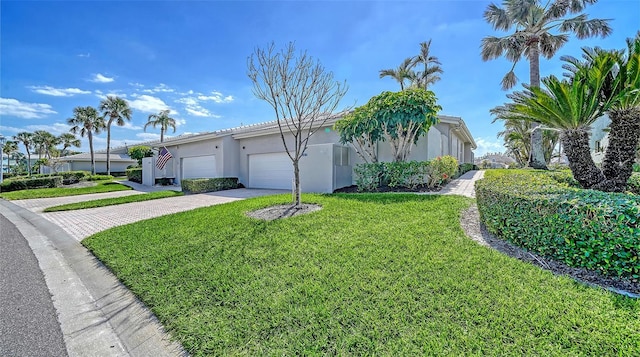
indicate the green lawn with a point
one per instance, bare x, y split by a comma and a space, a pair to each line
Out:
101, 187
114, 201
369, 274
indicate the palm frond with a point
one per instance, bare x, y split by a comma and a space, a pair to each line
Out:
584, 28
497, 17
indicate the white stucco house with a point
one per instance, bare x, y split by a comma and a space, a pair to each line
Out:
256, 155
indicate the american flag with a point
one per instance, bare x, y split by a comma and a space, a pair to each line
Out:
163, 156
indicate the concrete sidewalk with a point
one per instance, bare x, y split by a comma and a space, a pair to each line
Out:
98, 316
463, 185
80, 224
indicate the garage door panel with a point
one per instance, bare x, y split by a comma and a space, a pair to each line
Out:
272, 170
199, 167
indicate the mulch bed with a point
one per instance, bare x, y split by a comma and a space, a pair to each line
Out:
421, 188
283, 211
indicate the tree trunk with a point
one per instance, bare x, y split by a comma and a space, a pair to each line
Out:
28, 162
161, 135
619, 156
536, 159
576, 146
296, 178
93, 161
108, 147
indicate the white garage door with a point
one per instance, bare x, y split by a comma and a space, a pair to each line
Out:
199, 167
273, 170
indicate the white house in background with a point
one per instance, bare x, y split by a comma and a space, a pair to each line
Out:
82, 162
599, 139
256, 155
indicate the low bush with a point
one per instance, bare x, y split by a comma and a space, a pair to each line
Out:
582, 228
135, 174
466, 167
633, 185
209, 184
100, 177
409, 174
71, 177
26, 184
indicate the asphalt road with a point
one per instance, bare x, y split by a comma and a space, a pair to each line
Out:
28, 321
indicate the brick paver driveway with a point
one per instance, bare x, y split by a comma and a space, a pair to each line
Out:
83, 223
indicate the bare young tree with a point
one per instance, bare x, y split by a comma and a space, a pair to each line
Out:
302, 94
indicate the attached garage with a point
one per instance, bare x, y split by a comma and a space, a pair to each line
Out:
272, 170
199, 167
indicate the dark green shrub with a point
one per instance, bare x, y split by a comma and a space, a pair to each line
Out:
633, 185
26, 184
582, 228
71, 177
100, 177
135, 174
409, 174
209, 184
464, 168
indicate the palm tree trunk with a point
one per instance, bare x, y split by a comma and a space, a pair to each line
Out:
161, 135
536, 159
93, 161
619, 157
109, 147
28, 161
576, 145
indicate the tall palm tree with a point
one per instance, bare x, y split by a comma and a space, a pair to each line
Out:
570, 105
87, 122
68, 140
9, 148
25, 138
163, 120
429, 74
517, 139
402, 73
538, 30
114, 109
44, 143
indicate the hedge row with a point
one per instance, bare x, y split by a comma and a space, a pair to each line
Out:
25, 184
209, 184
409, 174
135, 174
541, 212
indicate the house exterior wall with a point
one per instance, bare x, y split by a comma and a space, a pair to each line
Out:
101, 166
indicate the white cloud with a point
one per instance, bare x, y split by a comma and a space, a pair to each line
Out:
136, 84
10, 129
161, 88
128, 125
58, 92
85, 55
488, 145
199, 111
99, 78
16, 108
149, 104
149, 136
55, 129
187, 101
217, 98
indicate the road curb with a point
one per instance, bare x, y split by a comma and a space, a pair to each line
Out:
98, 315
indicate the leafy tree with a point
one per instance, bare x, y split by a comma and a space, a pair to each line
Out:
402, 73
68, 140
163, 120
10, 148
26, 139
139, 152
397, 117
87, 122
537, 30
114, 109
301, 92
431, 69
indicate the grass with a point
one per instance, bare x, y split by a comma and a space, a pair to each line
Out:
369, 274
114, 201
101, 187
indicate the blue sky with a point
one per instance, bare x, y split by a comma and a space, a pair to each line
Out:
191, 57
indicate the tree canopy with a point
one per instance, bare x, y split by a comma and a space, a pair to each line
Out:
400, 118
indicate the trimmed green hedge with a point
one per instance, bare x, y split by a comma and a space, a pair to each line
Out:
540, 212
99, 177
410, 174
135, 174
633, 185
464, 168
209, 184
38, 182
